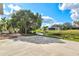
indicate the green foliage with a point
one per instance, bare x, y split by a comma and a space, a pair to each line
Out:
3, 25
45, 28
23, 21
26, 21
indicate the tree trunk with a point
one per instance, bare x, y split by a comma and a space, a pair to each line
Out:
25, 30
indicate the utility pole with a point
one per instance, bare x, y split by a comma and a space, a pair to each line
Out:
1, 8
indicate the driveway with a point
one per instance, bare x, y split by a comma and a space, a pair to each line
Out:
38, 46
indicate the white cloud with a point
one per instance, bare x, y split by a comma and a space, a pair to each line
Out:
4, 6
68, 6
46, 17
74, 9
13, 7
47, 21
75, 14
4, 9
6, 12
62, 6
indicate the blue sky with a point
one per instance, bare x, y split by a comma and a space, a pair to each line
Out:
49, 10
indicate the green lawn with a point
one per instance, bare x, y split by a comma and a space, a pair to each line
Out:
63, 34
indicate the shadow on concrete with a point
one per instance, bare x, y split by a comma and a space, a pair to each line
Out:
38, 39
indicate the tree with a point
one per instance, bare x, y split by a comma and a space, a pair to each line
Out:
67, 26
26, 21
57, 26
64, 26
3, 23
76, 23
45, 29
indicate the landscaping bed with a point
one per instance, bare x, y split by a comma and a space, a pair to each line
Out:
8, 36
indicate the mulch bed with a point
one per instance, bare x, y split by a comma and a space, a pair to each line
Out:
8, 36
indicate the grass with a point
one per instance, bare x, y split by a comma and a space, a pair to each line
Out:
72, 35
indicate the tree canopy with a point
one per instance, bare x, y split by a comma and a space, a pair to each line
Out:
26, 20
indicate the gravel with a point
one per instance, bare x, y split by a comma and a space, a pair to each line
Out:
38, 39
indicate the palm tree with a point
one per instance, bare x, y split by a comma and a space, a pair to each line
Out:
3, 23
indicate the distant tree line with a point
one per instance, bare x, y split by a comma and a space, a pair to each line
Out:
66, 26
